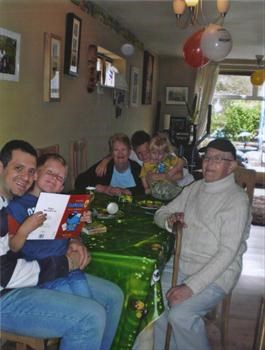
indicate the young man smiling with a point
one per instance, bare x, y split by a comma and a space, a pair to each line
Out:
81, 323
215, 214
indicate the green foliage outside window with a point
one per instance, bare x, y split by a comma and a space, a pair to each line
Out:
237, 116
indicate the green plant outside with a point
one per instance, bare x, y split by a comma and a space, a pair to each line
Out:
236, 117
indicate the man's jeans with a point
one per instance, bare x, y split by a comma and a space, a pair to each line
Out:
82, 323
75, 283
188, 327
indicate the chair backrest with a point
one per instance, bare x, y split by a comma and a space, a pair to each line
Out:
246, 178
77, 159
48, 149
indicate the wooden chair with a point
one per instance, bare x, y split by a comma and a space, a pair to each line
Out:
77, 159
49, 149
259, 338
22, 341
246, 178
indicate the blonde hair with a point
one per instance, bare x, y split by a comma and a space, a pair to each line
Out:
121, 138
160, 142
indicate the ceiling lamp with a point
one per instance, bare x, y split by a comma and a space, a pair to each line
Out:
195, 12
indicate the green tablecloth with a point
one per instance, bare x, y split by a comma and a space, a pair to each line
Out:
132, 253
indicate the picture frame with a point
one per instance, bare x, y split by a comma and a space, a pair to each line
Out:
134, 86
10, 43
52, 67
148, 71
176, 95
72, 44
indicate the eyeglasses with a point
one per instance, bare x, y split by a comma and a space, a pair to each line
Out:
55, 176
216, 159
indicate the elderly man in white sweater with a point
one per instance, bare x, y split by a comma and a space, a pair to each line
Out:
215, 213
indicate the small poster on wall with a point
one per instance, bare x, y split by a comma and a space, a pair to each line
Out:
9, 55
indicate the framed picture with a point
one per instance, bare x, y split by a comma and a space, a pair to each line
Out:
147, 78
134, 87
176, 95
52, 67
92, 62
9, 55
72, 44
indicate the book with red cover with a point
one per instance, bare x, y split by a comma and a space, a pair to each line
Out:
64, 212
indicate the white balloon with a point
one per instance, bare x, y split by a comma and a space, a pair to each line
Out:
127, 49
112, 208
216, 42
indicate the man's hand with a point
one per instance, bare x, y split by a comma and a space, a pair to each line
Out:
84, 255
176, 217
178, 294
73, 260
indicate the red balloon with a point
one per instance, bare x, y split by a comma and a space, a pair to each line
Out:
192, 51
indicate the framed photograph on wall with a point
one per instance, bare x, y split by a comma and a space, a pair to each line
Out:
72, 44
9, 55
52, 67
176, 95
148, 72
134, 87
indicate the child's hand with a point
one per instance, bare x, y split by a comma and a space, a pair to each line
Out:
31, 223
86, 217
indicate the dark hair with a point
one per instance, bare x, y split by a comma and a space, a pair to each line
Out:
47, 156
224, 145
13, 145
139, 138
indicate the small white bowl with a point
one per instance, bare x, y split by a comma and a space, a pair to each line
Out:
112, 208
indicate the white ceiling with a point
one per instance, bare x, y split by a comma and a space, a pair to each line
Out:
153, 22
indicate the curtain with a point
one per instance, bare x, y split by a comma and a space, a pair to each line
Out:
204, 89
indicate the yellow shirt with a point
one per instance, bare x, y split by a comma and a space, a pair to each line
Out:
168, 162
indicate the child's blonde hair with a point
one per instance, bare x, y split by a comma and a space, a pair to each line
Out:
160, 142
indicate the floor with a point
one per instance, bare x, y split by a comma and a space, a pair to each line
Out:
246, 297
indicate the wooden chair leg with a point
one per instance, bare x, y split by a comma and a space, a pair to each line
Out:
259, 338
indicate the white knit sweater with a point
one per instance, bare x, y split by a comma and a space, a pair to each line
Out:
218, 220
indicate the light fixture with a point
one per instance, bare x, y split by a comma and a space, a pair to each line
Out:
196, 14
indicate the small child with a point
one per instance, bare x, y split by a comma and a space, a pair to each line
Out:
163, 164
51, 174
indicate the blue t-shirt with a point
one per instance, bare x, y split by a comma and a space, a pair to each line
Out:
122, 180
22, 207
